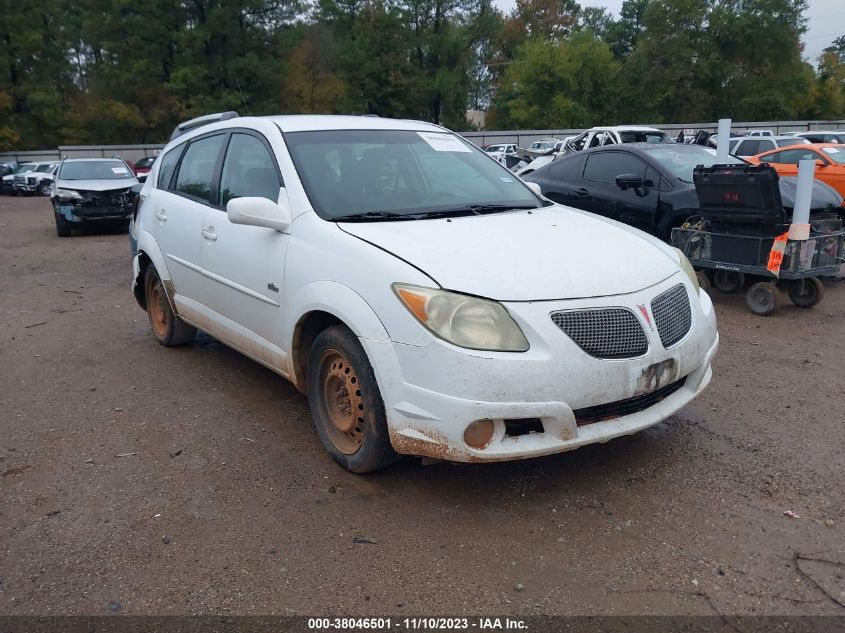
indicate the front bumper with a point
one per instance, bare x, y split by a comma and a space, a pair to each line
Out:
80, 214
432, 393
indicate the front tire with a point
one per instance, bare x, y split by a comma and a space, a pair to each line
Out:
346, 404
62, 226
168, 328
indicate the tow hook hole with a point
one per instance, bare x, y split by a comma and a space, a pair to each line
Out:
515, 427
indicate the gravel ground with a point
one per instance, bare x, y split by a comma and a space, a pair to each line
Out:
177, 481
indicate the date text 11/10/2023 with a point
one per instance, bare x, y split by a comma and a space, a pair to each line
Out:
416, 624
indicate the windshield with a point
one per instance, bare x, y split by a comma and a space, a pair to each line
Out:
681, 163
95, 170
22, 168
145, 162
836, 154
45, 167
543, 145
495, 148
401, 173
631, 136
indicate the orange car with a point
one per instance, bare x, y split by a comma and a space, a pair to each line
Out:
830, 162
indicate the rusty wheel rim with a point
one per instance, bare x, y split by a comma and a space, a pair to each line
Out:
343, 402
157, 310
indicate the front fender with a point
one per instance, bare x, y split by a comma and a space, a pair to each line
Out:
338, 300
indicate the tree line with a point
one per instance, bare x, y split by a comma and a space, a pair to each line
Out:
118, 71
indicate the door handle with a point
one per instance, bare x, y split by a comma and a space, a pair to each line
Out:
581, 192
209, 234
161, 216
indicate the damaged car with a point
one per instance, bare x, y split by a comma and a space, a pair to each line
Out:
427, 301
648, 186
28, 182
8, 179
88, 191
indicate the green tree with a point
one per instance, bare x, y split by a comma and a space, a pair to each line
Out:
547, 19
35, 73
559, 85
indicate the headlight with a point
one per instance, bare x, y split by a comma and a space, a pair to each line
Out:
687, 268
68, 194
463, 320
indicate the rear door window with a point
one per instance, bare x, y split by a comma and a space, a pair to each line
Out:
567, 170
748, 148
196, 171
168, 164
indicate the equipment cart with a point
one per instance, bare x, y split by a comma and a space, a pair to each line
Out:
742, 232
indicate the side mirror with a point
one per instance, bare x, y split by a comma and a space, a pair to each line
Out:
533, 186
629, 181
260, 212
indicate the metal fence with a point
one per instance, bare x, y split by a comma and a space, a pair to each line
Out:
127, 152
523, 138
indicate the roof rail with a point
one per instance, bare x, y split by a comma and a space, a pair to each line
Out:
199, 121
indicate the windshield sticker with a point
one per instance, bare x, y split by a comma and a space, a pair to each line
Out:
830, 150
505, 179
443, 142
120, 170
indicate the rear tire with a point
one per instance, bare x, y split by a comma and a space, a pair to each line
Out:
346, 404
168, 328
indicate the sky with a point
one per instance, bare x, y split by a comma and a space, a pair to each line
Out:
823, 18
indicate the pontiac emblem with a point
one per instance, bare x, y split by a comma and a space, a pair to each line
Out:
644, 312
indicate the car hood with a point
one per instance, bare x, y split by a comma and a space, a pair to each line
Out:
550, 253
108, 184
824, 196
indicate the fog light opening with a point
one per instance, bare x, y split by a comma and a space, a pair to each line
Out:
515, 427
479, 433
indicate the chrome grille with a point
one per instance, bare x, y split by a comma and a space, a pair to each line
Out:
672, 315
605, 332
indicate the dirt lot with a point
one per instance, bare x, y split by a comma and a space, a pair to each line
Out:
148, 480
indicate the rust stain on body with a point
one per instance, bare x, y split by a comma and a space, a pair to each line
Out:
437, 448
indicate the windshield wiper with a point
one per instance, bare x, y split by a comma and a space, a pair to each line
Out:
481, 209
473, 209
469, 209
369, 216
